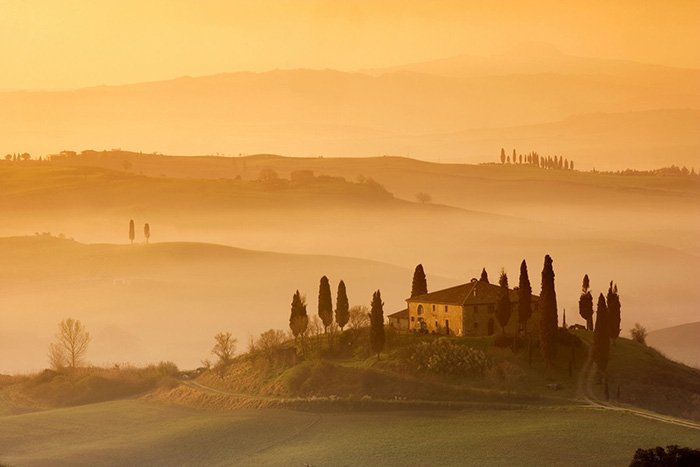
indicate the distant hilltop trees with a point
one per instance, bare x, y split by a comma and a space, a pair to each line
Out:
534, 159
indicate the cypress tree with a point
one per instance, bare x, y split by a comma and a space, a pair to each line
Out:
484, 276
524, 296
503, 309
614, 307
549, 320
503, 156
376, 330
420, 284
514, 156
132, 231
601, 336
298, 319
147, 232
585, 303
325, 303
342, 307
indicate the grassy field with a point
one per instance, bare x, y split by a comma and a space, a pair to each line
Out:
146, 433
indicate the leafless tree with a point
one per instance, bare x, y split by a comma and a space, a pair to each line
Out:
224, 347
72, 340
359, 317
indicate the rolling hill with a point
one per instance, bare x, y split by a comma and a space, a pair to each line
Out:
681, 343
163, 301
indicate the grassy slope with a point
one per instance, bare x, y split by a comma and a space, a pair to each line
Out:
678, 342
154, 434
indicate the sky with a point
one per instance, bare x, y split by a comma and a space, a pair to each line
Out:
63, 44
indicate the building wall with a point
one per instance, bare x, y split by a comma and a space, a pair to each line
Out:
470, 320
437, 317
400, 324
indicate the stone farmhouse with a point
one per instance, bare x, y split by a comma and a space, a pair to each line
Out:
464, 310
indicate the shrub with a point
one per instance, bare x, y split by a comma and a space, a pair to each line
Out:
672, 456
568, 339
639, 334
443, 356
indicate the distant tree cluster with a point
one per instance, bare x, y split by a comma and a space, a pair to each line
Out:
672, 171
25, 156
534, 159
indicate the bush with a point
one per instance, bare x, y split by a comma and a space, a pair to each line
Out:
672, 456
639, 334
443, 356
564, 337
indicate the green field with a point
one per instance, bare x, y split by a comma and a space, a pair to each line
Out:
134, 432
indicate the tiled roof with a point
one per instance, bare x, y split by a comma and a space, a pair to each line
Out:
403, 314
471, 293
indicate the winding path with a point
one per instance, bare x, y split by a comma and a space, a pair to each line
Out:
584, 392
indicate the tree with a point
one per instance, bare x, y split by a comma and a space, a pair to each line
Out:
524, 296
503, 156
376, 330
614, 307
503, 307
571, 165
420, 284
298, 319
342, 307
72, 340
132, 232
147, 232
549, 320
484, 276
672, 456
359, 317
267, 175
513, 157
423, 198
269, 343
585, 303
639, 334
224, 348
325, 303
601, 337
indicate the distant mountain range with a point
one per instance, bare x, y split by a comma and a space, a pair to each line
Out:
605, 113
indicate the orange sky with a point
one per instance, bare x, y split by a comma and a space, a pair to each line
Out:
73, 43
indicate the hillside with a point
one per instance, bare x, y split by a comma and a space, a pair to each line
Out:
163, 301
327, 112
483, 216
680, 343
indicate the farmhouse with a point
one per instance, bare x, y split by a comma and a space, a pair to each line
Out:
464, 310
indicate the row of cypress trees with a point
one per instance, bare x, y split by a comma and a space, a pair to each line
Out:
299, 319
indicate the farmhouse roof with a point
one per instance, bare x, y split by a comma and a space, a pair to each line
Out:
472, 293
400, 314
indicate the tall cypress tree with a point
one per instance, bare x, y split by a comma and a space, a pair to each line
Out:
325, 303
132, 231
342, 307
503, 156
420, 284
585, 303
503, 309
484, 276
524, 297
601, 336
549, 320
298, 319
614, 309
376, 320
